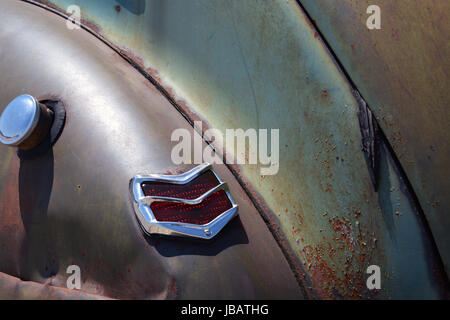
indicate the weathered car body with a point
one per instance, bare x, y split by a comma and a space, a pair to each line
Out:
138, 70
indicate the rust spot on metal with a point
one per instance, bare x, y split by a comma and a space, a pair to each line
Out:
172, 289
328, 188
91, 25
321, 261
394, 34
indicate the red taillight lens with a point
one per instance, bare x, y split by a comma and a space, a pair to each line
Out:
198, 214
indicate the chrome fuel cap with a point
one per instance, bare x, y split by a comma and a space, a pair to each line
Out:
24, 122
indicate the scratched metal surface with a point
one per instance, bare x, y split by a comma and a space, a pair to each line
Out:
262, 65
402, 71
71, 205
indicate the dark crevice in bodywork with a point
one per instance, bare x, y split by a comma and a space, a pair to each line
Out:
373, 139
370, 132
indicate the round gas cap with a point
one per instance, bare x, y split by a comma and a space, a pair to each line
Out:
23, 122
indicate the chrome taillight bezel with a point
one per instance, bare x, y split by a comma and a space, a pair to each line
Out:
151, 226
